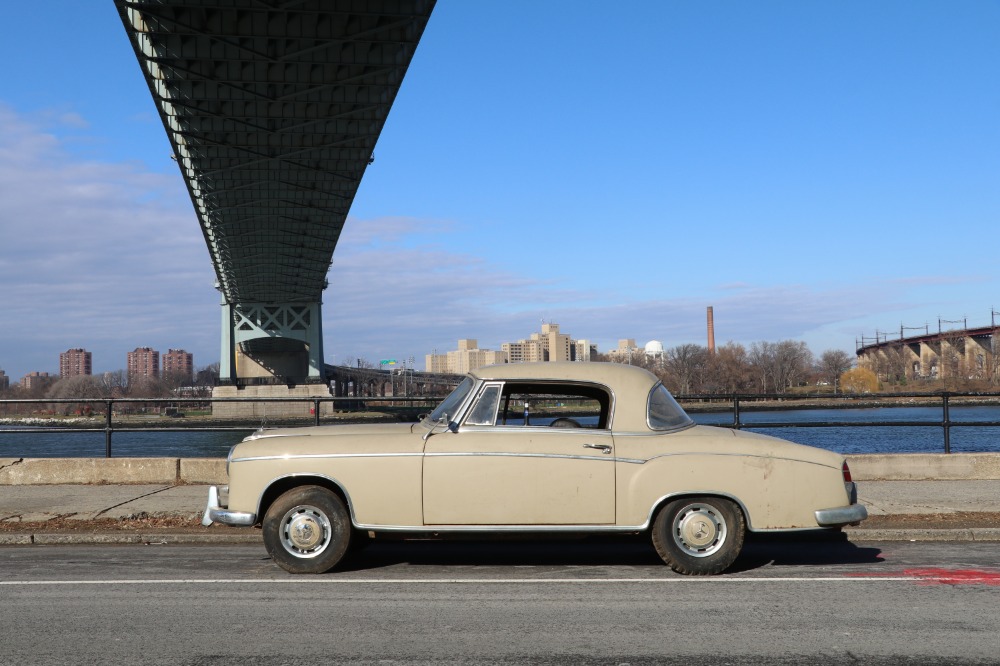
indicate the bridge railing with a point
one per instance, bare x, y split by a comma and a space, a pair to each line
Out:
118, 415
737, 404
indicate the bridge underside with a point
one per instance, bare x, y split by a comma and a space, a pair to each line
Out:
273, 109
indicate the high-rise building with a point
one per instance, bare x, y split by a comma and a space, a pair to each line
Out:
625, 351
143, 362
35, 380
466, 358
179, 364
74, 363
549, 345
4, 381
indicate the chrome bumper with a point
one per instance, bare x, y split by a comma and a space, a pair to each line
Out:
214, 513
842, 515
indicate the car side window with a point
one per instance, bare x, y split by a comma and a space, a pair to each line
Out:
554, 405
484, 412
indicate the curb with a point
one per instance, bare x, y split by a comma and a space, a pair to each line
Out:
988, 534
123, 538
928, 534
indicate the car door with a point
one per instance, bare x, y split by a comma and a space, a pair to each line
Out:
495, 471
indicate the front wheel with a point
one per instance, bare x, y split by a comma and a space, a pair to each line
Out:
307, 530
699, 536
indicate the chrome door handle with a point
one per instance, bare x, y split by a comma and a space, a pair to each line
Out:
604, 448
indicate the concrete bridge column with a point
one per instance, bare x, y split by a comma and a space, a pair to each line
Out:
911, 359
273, 340
929, 356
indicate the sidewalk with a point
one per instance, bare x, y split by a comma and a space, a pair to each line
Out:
898, 510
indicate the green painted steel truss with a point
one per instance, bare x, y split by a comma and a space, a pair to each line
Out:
273, 109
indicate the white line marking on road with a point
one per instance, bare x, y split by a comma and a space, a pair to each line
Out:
455, 581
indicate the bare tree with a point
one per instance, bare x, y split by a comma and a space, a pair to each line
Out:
82, 387
832, 364
115, 383
792, 362
761, 359
208, 375
779, 366
729, 369
686, 367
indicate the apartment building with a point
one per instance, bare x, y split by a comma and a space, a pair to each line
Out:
548, 345
625, 351
466, 358
179, 364
143, 362
36, 380
75, 363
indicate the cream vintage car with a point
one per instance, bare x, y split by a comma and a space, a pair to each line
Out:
533, 448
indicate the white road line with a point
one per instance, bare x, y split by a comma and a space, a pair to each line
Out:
458, 581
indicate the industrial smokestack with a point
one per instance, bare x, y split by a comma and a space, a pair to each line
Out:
711, 331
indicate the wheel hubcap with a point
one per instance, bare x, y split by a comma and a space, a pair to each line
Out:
699, 530
306, 531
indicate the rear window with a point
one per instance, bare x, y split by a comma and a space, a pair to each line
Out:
664, 412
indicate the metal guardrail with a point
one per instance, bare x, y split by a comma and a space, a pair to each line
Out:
945, 423
737, 404
377, 404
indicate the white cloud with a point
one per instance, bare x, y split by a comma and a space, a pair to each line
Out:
108, 256
103, 256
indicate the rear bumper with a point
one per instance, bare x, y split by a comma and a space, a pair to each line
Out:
215, 512
841, 515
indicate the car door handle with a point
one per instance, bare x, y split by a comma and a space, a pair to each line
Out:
604, 448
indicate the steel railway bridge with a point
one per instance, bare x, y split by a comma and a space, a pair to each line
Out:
273, 109
958, 352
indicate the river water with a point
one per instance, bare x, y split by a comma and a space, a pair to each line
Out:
849, 439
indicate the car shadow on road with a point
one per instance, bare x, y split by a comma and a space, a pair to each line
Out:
804, 549
632, 551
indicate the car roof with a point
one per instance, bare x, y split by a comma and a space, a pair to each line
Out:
629, 384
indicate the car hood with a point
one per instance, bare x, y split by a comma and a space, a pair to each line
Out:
365, 438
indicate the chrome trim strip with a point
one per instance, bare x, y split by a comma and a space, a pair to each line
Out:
311, 475
699, 493
307, 456
500, 454
841, 515
313, 456
452, 529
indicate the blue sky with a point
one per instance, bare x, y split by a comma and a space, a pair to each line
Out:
813, 170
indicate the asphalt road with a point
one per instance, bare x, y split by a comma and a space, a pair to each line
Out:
563, 602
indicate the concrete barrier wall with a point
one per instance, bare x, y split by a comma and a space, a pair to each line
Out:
212, 471
168, 471
925, 466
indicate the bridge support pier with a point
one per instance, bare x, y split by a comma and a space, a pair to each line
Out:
272, 340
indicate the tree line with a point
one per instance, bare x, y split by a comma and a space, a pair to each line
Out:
763, 367
117, 384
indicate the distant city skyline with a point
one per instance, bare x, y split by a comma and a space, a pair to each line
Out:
816, 171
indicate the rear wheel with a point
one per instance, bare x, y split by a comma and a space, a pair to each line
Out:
307, 530
699, 536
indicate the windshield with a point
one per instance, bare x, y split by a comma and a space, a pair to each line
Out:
664, 412
454, 400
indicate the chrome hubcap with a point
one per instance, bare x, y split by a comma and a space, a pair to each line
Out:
305, 531
699, 530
